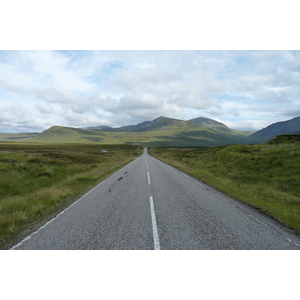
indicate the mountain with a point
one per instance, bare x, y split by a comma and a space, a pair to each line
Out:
157, 124
161, 132
211, 124
164, 122
164, 132
286, 127
218, 126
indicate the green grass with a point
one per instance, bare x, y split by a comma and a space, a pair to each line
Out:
17, 137
38, 180
265, 176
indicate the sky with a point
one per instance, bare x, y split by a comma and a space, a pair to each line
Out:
246, 90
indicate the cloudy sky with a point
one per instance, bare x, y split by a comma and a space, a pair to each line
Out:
246, 90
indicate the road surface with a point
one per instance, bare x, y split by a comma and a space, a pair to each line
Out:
150, 205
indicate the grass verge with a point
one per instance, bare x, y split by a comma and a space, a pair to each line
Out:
39, 180
265, 176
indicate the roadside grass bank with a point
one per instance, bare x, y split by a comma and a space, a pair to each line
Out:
39, 180
265, 176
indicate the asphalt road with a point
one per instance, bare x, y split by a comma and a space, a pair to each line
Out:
150, 205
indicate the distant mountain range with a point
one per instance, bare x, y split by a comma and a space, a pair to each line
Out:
163, 131
286, 127
164, 122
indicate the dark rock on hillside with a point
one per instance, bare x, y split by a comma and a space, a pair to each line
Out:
285, 139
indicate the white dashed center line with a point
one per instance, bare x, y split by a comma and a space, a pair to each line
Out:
154, 225
149, 181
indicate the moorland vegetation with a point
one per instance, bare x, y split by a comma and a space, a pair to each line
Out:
39, 180
265, 176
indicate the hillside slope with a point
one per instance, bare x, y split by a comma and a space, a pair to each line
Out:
60, 134
286, 127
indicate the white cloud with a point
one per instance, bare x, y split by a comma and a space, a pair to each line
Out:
248, 125
126, 87
140, 100
45, 108
13, 80
17, 117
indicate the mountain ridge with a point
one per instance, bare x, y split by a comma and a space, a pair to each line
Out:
162, 131
157, 123
164, 122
